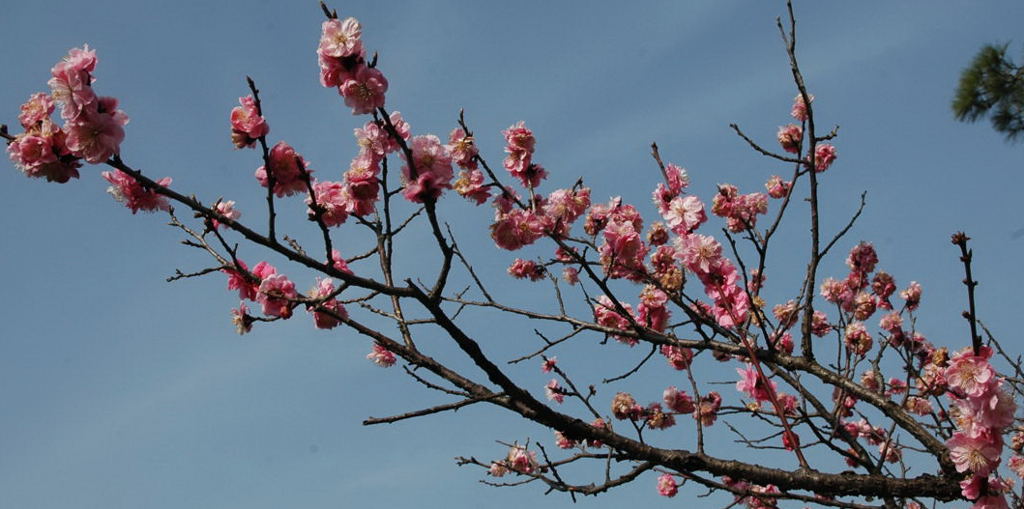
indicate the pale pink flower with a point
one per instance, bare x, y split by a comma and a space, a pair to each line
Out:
564, 442
977, 454
332, 200
863, 306
624, 406
241, 319
470, 185
1016, 464
125, 189
226, 209
554, 391
791, 137
37, 109
605, 314
891, 322
335, 310
285, 166
516, 229
698, 252
685, 214
970, 374
667, 486
364, 91
786, 313
521, 460
824, 155
857, 338
799, 111
247, 123
919, 406
565, 206
912, 295
497, 469
340, 38
778, 188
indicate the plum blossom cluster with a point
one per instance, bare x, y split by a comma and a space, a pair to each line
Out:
93, 125
982, 408
343, 66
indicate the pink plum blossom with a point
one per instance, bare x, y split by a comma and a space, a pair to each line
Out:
778, 188
667, 486
323, 319
289, 177
799, 111
37, 109
431, 171
247, 123
96, 134
125, 189
824, 155
364, 90
340, 38
381, 356
522, 269
554, 391
241, 319
226, 209
332, 200
791, 137
276, 294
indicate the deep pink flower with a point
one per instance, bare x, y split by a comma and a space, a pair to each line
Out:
247, 124
678, 357
238, 280
548, 364
381, 356
819, 324
284, 165
516, 229
522, 269
753, 385
276, 294
521, 460
339, 262
364, 91
605, 314
667, 486
564, 442
125, 189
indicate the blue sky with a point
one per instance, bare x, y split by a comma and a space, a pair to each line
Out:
120, 390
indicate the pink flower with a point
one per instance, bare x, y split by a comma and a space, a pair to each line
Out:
276, 294
778, 188
698, 252
752, 384
605, 314
677, 400
624, 406
241, 319
819, 324
857, 338
862, 258
824, 155
431, 172
71, 84
548, 364
37, 109
340, 38
238, 280
381, 356
42, 153
970, 374
623, 250
96, 134
339, 263
324, 319
522, 269
247, 123
1016, 464
125, 189
678, 357
786, 313
516, 229
918, 406
470, 185
976, 454
912, 295
554, 391
519, 144
497, 469
463, 149
571, 275
362, 187
791, 137
226, 209
521, 460
667, 486
564, 442
707, 409
285, 168
684, 215
364, 91
332, 200
799, 111
741, 211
